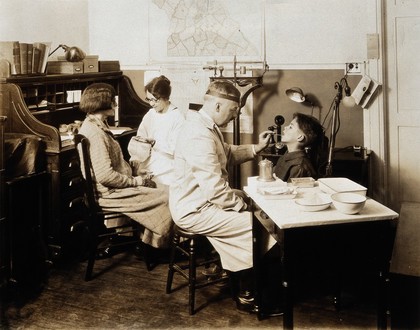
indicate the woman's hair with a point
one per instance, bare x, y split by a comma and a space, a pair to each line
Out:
159, 87
96, 97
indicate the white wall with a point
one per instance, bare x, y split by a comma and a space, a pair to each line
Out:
119, 30
302, 32
318, 31
56, 21
299, 33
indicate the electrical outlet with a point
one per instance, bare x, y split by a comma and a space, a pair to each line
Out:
353, 68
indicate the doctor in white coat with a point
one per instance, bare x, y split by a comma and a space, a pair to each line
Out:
201, 200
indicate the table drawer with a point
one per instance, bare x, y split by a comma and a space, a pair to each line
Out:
268, 224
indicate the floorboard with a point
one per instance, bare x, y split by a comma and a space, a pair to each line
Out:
126, 296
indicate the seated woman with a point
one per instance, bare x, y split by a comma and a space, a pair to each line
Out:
117, 188
152, 150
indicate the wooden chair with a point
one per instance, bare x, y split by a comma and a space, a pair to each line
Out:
106, 230
190, 248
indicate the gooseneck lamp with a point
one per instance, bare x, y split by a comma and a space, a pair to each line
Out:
296, 94
348, 101
72, 54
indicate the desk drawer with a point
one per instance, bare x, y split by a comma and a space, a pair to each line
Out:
73, 205
72, 183
69, 161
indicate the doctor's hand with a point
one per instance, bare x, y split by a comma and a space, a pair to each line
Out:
263, 141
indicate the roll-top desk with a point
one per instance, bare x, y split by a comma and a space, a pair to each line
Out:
38, 105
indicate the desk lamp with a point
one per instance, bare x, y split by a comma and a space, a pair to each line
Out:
72, 54
296, 94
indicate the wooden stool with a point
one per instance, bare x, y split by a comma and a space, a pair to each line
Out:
189, 248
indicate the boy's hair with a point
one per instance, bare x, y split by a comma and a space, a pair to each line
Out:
311, 127
96, 97
159, 87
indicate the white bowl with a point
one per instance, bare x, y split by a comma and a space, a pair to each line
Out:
317, 202
348, 203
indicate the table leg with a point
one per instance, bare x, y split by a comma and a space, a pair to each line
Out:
337, 247
256, 230
383, 253
286, 282
383, 283
261, 223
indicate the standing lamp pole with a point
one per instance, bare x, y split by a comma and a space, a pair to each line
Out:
334, 128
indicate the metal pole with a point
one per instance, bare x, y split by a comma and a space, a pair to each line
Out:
328, 169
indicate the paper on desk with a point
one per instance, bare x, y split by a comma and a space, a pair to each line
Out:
66, 137
277, 192
254, 183
119, 130
276, 189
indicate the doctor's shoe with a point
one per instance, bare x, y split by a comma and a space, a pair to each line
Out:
245, 303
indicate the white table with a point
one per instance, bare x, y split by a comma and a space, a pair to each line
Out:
278, 215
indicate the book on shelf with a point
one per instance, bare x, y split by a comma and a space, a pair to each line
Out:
44, 51
29, 58
16, 58
23, 57
35, 59
7, 53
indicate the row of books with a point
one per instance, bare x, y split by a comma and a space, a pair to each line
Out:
25, 58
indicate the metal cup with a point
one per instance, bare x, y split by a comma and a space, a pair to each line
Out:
265, 170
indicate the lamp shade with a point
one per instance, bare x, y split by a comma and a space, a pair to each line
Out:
349, 101
73, 54
296, 94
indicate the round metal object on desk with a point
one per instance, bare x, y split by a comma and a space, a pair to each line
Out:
266, 171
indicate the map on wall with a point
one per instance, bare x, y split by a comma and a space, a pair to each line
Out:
206, 30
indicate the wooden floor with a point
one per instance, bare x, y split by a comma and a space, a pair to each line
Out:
127, 296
